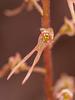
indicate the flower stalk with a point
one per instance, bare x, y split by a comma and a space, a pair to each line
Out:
47, 52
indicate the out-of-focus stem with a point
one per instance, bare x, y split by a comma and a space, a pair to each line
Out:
36, 69
38, 7
47, 52
4, 70
15, 11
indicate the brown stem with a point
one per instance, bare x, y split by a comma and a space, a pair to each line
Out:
47, 52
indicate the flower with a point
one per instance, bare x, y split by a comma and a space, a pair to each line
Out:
13, 61
65, 82
65, 94
45, 39
68, 28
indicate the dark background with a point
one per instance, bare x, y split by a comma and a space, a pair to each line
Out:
20, 34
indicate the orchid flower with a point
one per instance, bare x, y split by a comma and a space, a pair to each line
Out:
65, 94
26, 3
65, 82
13, 61
45, 39
68, 28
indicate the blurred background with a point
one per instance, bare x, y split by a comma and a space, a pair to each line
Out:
19, 34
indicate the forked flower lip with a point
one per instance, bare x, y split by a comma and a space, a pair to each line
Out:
44, 40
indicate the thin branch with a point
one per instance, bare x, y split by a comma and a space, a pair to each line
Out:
15, 11
37, 69
38, 7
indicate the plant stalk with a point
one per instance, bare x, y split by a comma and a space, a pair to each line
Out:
47, 52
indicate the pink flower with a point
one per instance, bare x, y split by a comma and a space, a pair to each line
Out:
65, 94
45, 39
64, 83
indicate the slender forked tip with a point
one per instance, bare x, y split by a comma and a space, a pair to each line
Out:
27, 76
23, 82
23, 60
9, 76
12, 72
